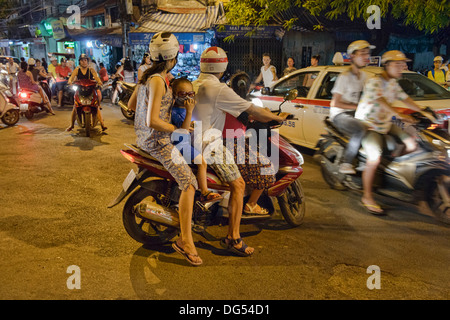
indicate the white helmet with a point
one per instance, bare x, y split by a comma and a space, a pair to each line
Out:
438, 58
163, 46
358, 45
213, 60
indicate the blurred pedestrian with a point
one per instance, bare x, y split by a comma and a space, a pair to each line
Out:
145, 64
12, 68
290, 66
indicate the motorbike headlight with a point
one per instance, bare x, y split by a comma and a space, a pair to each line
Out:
74, 88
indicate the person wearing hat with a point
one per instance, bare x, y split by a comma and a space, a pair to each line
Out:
438, 74
26, 81
346, 93
154, 131
218, 108
376, 110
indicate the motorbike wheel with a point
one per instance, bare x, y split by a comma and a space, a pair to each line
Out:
87, 124
292, 204
11, 117
437, 198
128, 115
141, 230
329, 164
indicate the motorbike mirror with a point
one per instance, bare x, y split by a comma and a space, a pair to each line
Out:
265, 91
291, 95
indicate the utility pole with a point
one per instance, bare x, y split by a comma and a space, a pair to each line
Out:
126, 10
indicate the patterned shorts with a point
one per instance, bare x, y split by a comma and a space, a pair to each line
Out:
256, 170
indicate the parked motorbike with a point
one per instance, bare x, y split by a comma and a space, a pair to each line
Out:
421, 177
150, 214
107, 89
126, 90
9, 112
86, 103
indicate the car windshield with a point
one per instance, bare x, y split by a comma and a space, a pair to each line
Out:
419, 87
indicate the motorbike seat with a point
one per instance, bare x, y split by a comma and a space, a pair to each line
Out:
29, 90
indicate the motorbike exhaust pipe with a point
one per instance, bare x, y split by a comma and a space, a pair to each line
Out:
157, 213
123, 106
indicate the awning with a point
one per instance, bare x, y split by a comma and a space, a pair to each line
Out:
180, 22
109, 36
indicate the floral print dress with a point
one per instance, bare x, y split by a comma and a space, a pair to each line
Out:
157, 143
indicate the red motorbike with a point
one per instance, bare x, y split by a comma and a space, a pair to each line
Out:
150, 214
86, 103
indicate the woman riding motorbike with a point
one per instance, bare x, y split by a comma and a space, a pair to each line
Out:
83, 71
26, 81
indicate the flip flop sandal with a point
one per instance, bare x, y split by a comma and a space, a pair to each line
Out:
252, 211
230, 246
375, 206
210, 196
186, 255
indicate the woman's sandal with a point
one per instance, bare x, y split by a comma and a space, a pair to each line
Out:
230, 245
186, 255
210, 196
256, 210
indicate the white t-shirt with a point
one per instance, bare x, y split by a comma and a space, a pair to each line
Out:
267, 75
376, 116
128, 76
350, 87
214, 101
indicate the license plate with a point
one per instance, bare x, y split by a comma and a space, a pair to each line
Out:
129, 180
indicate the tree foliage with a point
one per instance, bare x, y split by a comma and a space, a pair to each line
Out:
425, 15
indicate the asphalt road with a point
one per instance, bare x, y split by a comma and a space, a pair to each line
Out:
55, 188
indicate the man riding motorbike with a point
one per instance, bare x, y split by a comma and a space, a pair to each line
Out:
375, 109
218, 106
346, 93
83, 71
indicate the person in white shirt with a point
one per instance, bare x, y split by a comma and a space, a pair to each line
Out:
217, 108
376, 109
346, 93
268, 73
12, 68
145, 64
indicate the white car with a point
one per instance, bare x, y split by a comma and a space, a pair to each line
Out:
312, 106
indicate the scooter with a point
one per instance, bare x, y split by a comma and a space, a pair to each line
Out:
150, 214
9, 112
86, 104
30, 102
421, 177
126, 90
107, 89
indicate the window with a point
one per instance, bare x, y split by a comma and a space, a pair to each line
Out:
98, 21
297, 81
324, 91
419, 87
